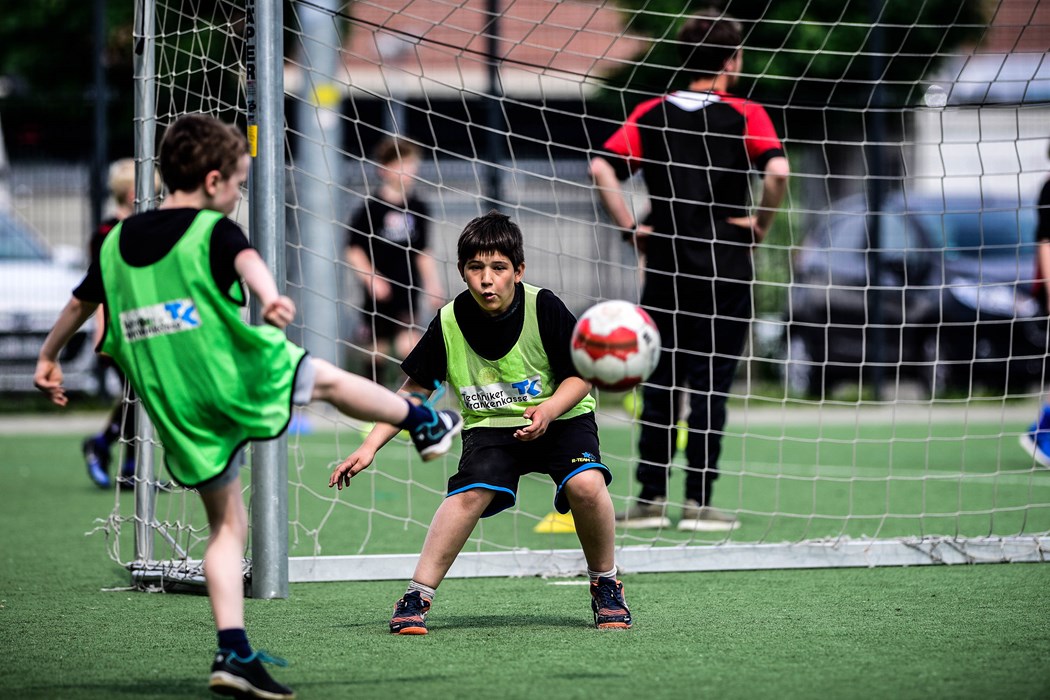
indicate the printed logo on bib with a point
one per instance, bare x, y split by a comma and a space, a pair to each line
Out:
160, 319
500, 394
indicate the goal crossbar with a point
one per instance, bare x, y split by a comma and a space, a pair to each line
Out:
723, 557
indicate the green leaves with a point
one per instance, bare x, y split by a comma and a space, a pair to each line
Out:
809, 52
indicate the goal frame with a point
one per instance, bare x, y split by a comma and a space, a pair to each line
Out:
269, 570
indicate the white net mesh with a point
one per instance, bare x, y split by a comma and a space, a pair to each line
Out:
878, 405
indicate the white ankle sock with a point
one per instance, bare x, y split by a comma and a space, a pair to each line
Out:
611, 573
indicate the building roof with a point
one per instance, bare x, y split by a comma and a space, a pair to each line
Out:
545, 47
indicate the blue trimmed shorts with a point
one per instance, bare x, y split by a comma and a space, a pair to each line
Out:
494, 459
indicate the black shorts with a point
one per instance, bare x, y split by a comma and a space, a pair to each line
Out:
494, 459
384, 320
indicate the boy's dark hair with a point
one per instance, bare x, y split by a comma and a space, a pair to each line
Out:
196, 144
390, 149
492, 233
707, 41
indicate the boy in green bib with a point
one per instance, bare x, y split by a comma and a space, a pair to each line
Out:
503, 347
170, 280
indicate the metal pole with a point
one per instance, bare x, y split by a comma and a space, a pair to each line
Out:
493, 113
876, 194
319, 125
264, 57
99, 104
145, 192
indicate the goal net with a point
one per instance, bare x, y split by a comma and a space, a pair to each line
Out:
896, 355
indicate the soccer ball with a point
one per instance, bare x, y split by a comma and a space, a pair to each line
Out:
615, 345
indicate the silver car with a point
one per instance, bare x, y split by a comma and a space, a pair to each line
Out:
35, 285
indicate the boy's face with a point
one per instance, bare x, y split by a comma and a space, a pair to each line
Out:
225, 193
491, 277
400, 173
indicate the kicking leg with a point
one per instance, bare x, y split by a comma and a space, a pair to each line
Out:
432, 431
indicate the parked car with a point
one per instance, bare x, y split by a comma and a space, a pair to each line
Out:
954, 289
35, 285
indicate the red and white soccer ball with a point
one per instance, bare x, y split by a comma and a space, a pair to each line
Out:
615, 345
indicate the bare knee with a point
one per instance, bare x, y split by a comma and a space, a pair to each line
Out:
586, 488
472, 501
326, 376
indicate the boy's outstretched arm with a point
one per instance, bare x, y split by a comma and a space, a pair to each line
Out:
48, 374
361, 458
277, 310
568, 394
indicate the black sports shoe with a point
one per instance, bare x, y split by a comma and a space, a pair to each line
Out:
96, 457
609, 606
434, 438
410, 614
232, 675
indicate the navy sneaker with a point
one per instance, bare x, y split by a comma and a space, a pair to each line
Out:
609, 606
434, 438
96, 456
410, 614
127, 473
232, 675
1036, 442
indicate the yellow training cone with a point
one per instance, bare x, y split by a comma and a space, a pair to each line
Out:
555, 524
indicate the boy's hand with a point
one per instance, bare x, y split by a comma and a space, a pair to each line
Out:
539, 424
380, 288
357, 462
639, 237
279, 312
48, 379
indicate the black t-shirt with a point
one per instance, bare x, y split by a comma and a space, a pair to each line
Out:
492, 337
696, 151
147, 237
1042, 235
392, 238
95, 244
1042, 231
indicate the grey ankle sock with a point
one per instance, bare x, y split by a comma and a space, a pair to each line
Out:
425, 591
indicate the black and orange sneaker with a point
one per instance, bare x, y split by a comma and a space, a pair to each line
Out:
609, 606
410, 614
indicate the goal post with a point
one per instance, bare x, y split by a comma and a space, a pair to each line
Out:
506, 102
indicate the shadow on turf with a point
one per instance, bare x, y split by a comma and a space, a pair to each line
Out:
464, 622
518, 622
136, 688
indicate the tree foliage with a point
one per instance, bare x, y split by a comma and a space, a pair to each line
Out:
48, 45
47, 63
813, 52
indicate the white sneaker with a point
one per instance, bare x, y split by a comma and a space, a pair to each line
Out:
698, 518
645, 515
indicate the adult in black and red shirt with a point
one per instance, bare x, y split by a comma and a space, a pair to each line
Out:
697, 150
1036, 440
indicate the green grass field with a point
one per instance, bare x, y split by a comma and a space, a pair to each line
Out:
800, 482
960, 631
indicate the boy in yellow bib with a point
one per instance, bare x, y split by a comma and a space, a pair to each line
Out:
503, 347
171, 283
